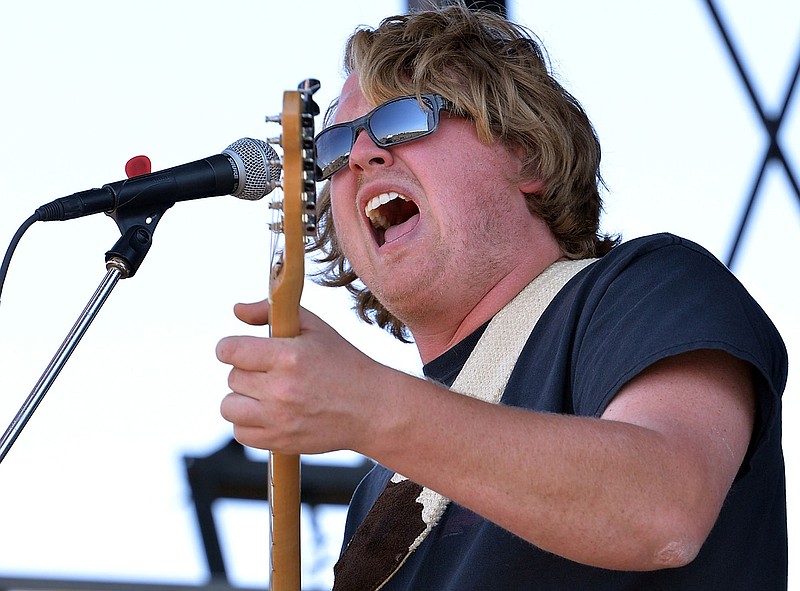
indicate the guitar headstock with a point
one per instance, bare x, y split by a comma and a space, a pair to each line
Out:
295, 210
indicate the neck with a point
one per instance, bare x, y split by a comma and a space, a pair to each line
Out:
434, 336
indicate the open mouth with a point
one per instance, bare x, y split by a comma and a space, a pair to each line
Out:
392, 215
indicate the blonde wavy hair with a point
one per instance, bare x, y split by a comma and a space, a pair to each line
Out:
495, 73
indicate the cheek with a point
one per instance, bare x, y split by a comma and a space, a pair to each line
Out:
345, 219
460, 159
341, 206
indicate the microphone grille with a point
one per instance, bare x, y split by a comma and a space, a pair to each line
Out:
258, 167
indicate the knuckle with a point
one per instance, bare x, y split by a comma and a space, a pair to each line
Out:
291, 359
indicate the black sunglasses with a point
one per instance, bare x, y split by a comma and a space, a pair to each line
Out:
394, 122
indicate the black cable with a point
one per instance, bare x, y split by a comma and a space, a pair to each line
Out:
12, 247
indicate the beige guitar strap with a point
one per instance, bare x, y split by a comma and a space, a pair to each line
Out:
405, 512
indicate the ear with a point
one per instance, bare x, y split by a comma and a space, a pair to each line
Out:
528, 182
529, 186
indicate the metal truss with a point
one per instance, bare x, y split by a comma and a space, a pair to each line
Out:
774, 152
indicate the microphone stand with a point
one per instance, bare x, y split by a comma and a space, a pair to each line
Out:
122, 261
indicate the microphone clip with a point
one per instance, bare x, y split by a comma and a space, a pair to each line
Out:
137, 226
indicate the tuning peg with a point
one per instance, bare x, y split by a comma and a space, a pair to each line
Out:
310, 224
309, 85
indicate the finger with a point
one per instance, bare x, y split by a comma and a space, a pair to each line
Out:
246, 383
251, 426
251, 437
240, 410
256, 314
247, 352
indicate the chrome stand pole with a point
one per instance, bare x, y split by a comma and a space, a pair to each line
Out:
116, 269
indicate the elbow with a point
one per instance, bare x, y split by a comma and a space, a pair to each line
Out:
680, 542
679, 528
675, 554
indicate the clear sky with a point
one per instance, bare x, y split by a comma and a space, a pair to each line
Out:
94, 488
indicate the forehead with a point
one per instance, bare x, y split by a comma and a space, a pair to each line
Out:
352, 103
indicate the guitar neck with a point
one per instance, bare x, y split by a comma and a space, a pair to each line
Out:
286, 286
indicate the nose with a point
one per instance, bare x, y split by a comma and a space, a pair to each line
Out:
366, 154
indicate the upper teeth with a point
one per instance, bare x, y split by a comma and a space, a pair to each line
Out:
371, 209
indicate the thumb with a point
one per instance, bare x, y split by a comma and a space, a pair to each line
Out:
256, 313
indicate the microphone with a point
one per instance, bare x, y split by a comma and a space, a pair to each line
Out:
247, 169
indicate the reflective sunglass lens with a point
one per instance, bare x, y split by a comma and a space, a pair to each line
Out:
333, 149
399, 121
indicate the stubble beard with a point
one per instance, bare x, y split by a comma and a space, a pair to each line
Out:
414, 300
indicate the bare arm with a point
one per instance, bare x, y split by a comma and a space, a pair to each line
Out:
638, 489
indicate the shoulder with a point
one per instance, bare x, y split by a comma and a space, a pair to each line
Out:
658, 296
659, 252
665, 273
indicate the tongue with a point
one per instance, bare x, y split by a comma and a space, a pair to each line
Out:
395, 232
